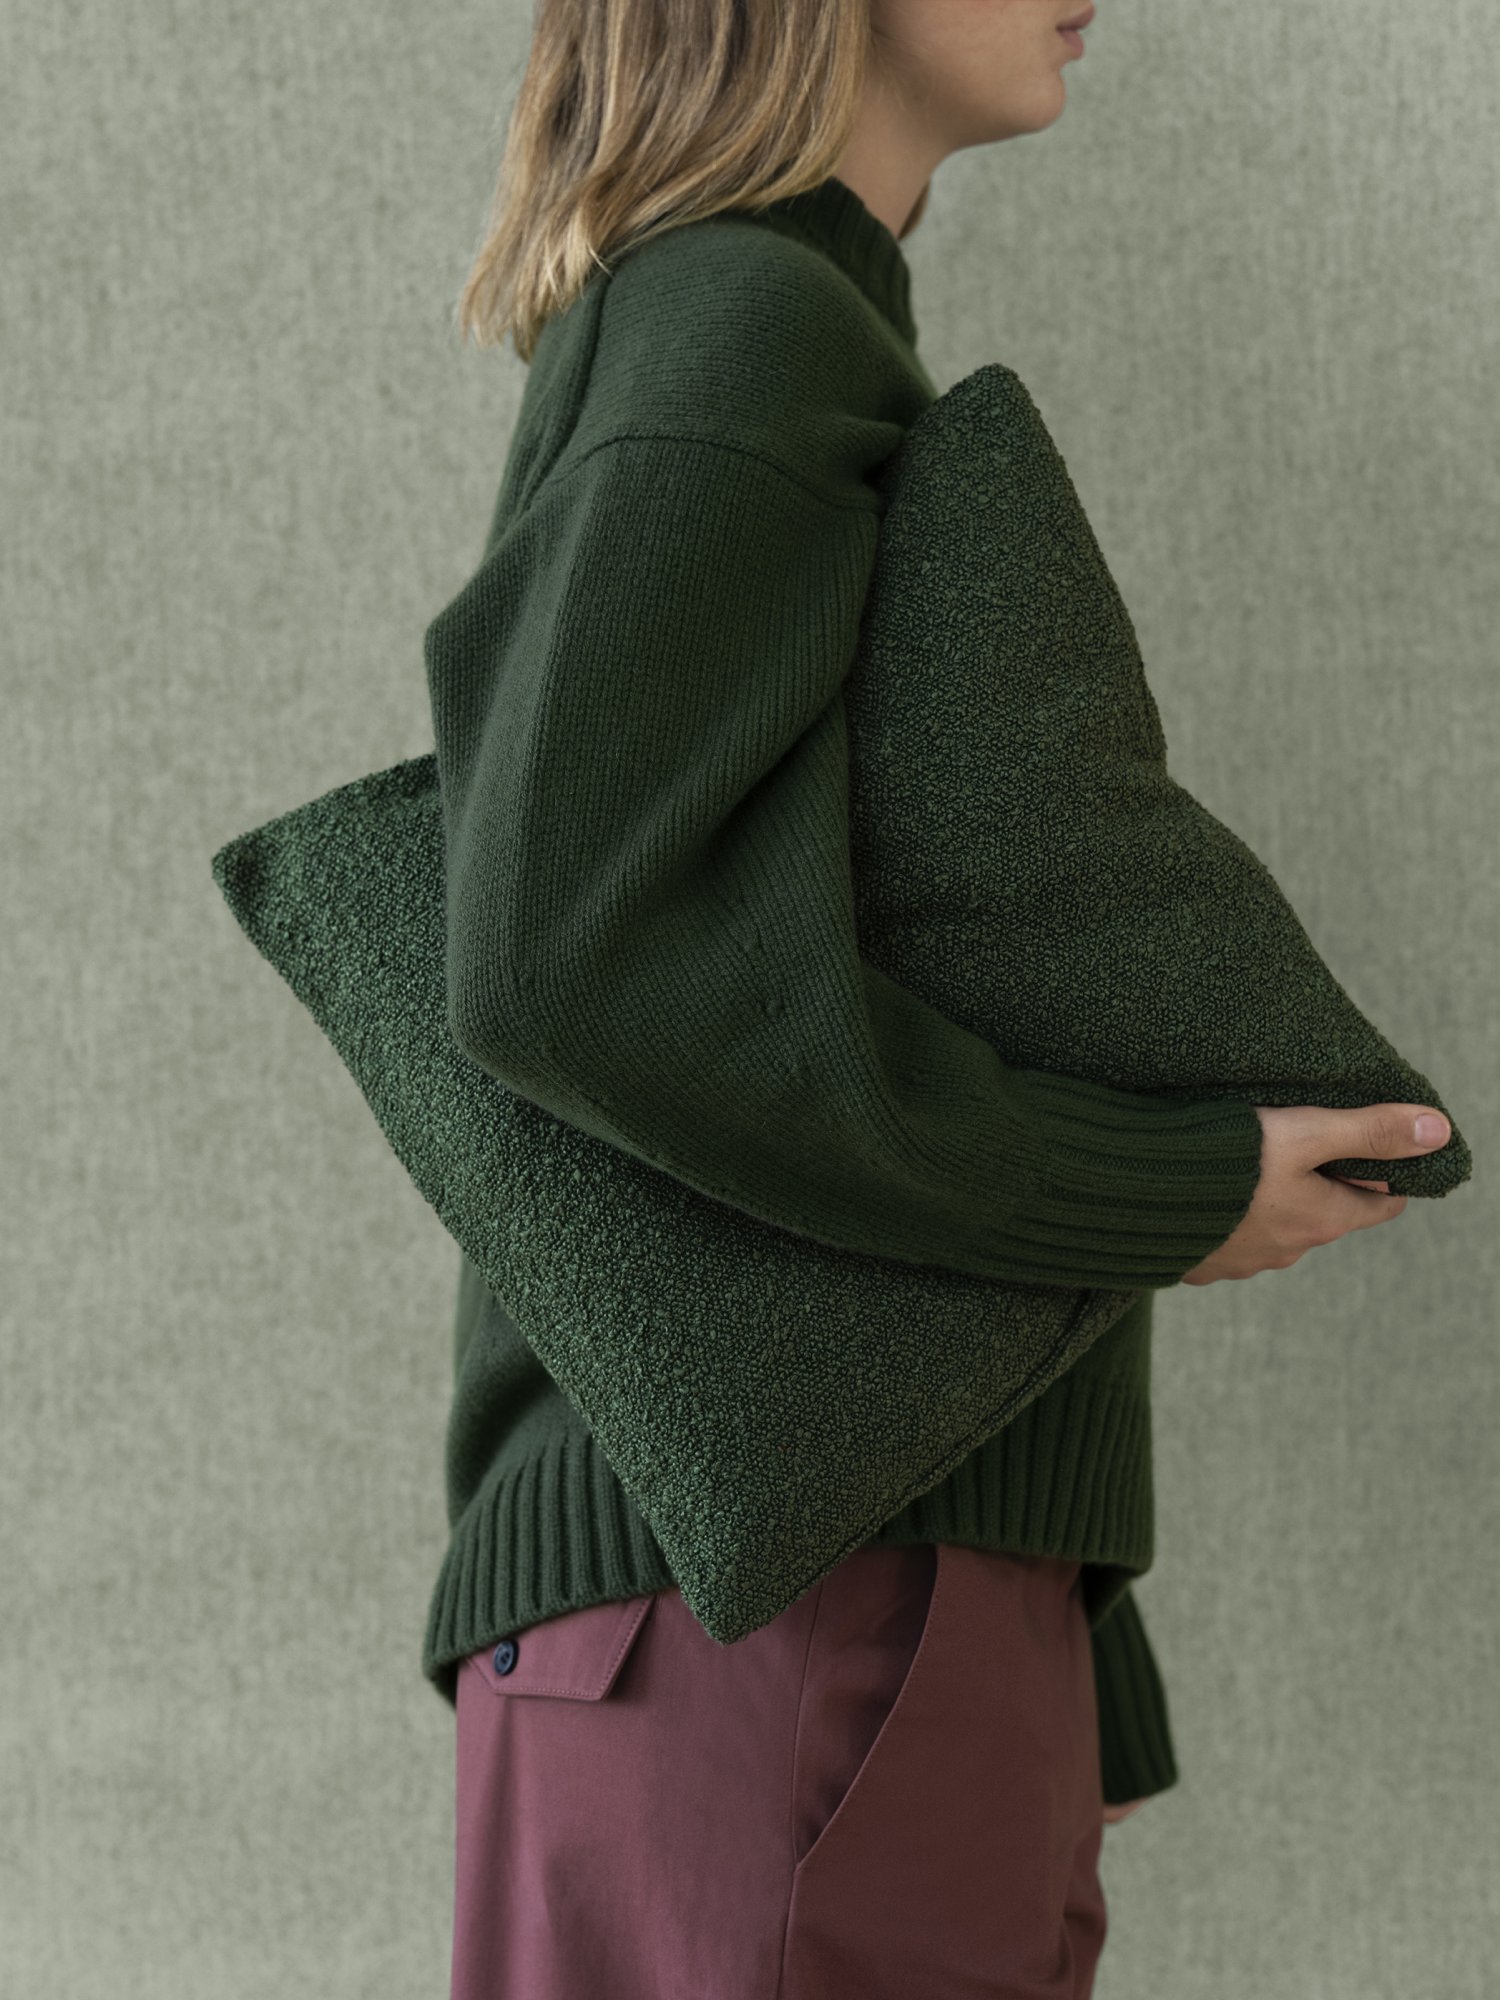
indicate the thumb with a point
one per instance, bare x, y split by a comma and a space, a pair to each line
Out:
1380, 1132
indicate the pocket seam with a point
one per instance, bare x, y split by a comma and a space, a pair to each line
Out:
890, 1715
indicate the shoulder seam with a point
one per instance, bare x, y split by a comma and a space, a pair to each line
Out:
872, 506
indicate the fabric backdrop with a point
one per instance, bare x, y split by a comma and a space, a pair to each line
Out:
1251, 278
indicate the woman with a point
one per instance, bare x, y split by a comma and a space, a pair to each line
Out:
898, 1786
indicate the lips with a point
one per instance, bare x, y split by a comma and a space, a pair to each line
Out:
1078, 21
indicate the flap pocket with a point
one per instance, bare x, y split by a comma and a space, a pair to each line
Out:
575, 1655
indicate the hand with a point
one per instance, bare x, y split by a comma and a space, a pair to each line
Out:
1294, 1207
1113, 1813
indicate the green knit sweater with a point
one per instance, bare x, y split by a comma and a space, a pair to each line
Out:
694, 454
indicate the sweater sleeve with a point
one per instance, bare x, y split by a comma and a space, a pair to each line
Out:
1135, 1736
651, 931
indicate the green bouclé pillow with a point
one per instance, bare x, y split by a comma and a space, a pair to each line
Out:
1021, 861
1112, 927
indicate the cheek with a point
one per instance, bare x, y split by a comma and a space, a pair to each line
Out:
985, 69
1016, 80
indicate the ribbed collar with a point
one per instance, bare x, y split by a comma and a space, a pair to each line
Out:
832, 216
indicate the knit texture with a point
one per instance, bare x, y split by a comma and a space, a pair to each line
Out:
1024, 860
773, 1244
769, 1401
769, 1398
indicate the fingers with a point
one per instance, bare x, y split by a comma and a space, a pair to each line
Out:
1365, 1205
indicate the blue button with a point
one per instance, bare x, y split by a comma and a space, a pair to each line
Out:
505, 1656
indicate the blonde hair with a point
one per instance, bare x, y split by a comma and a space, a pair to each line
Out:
634, 116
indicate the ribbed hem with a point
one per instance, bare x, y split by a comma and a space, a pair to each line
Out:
555, 1534
1070, 1476
1135, 1738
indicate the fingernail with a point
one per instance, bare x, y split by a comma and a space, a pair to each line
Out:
1431, 1129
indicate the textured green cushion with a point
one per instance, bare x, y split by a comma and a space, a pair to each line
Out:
1023, 862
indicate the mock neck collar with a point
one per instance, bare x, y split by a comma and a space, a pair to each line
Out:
833, 216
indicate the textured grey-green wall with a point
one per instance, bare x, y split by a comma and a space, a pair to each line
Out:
1252, 277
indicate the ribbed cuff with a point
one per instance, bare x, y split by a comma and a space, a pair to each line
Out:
1135, 1739
1129, 1189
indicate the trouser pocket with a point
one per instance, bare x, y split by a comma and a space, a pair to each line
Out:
865, 1635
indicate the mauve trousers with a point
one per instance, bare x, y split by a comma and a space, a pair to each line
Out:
890, 1792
